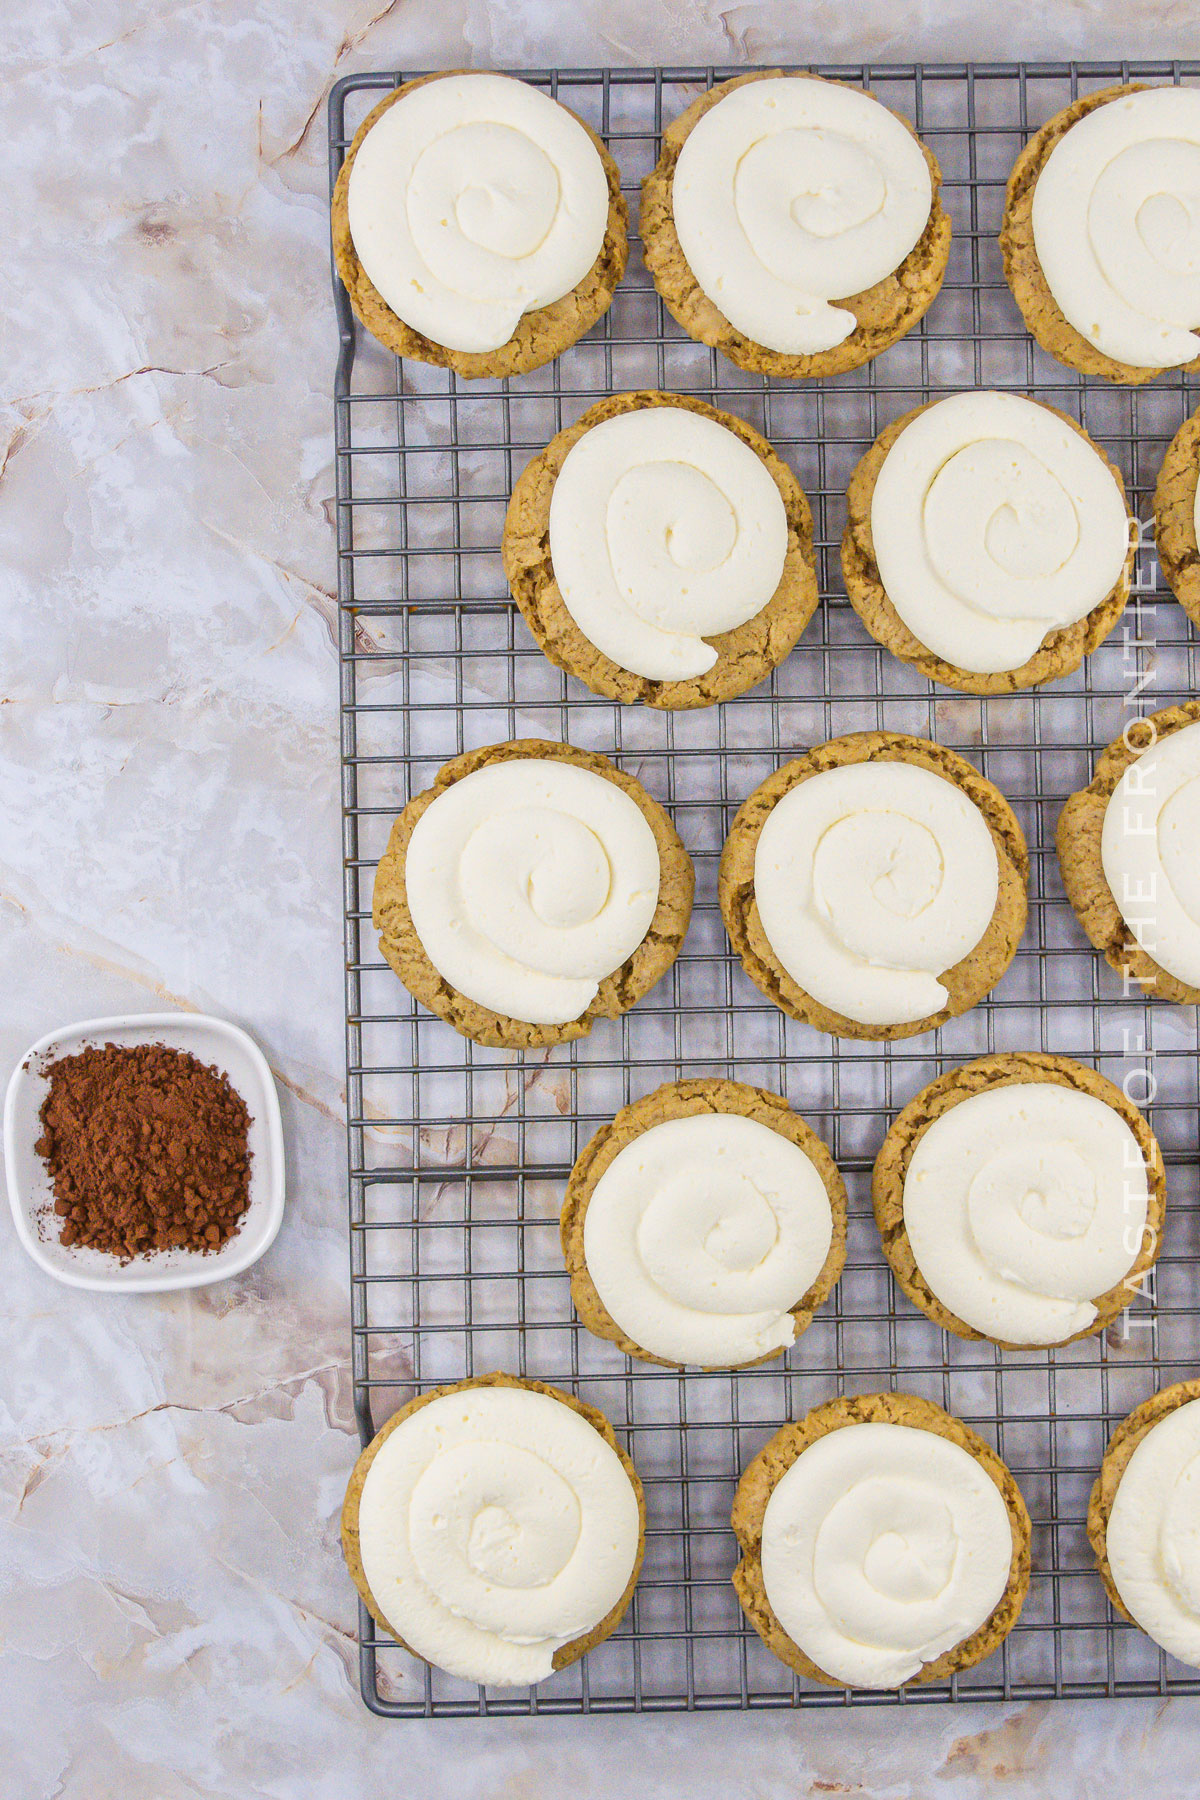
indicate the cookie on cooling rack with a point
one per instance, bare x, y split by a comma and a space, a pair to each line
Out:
495, 1528
1020, 1198
660, 550
703, 1226
1132, 833
1175, 517
795, 224
882, 1542
478, 224
875, 887
941, 573
1142, 1519
1091, 235
533, 889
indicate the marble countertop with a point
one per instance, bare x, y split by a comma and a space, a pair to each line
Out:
175, 1618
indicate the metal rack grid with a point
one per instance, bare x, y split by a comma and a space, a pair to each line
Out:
458, 1155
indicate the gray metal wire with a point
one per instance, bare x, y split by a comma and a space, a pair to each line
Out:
458, 1155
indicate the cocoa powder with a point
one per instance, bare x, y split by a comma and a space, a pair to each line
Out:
147, 1149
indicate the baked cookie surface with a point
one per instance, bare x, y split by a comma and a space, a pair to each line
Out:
746, 654
350, 1522
763, 1475
1062, 649
617, 992
986, 1075
696, 1099
884, 312
541, 334
1175, 517
1023, 270
1079, 840
972, 976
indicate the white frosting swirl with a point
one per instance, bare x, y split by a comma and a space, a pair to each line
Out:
872, 879
496, 1525
665, 529
994, 523
473, 200
1148, 852
1116, 225
882, 1547
1022, 1205
1153, 1534
790, 193
703, 1233
528, 882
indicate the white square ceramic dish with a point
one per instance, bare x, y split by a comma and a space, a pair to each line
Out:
29, 1191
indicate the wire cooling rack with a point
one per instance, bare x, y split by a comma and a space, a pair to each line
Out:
458, 1155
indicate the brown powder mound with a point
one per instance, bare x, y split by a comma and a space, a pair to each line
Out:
147, 1149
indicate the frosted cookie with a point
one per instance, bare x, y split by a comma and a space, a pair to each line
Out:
495, 1528
660, 551
703, 1226
882, 1542
532, 890
1175, 529
794, 224
1020, 1198
478, 224
1099, 241
876, 887
987, 542
1142, 1519
1127, 850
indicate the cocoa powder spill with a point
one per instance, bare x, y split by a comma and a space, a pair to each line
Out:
147, 1149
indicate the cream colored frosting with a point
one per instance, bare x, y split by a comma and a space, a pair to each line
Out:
701, 1235
790, 193
528, 882
473, 200
1148, 851
994, 523
1153, 1535
1116, 225
495, 1526
1022, 1205
665, 529
873, 879
882, 1547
